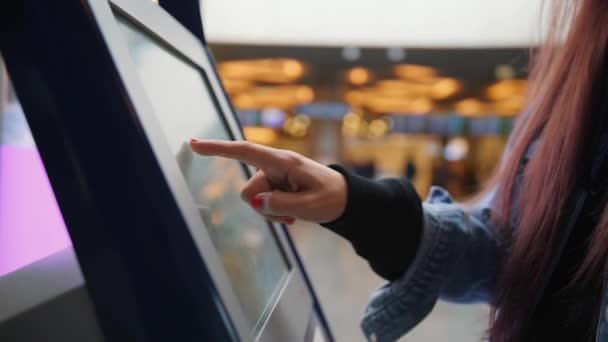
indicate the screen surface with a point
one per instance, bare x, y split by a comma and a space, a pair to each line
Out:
185, 108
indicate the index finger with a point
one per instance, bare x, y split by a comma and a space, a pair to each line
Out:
258, 156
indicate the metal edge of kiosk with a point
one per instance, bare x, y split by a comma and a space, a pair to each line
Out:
47, 301
188, 13
119, 196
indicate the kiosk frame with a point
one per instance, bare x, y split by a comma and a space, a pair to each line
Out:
138, 241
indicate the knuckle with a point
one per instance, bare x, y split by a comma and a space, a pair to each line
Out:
292, 158
243, 144
247, 190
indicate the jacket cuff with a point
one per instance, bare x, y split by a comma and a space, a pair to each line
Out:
383, 220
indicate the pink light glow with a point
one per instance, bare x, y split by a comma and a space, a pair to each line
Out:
31, 225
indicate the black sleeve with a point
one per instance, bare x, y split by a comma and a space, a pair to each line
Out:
383, 221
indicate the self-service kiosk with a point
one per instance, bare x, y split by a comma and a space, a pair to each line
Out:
163, 247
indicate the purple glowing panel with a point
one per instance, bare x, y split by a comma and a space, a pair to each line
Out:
31, 225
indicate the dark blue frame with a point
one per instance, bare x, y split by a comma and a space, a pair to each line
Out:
107, 217
109, 199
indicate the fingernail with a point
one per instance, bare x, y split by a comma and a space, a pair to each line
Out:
290, 220
257, 202
194, 140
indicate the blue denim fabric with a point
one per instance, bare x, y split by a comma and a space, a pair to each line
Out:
456, 261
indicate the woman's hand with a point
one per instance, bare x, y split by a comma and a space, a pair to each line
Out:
287, 185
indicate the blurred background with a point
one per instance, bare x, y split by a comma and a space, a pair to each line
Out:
427, 90
437, 116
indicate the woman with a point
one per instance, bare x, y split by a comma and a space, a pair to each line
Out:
534, 244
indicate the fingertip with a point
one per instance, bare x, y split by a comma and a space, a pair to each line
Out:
194, 143
209, 146
198, 146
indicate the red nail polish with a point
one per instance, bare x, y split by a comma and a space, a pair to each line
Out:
290, 220
257, 202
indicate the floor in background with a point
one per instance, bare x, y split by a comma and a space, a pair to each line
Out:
343, 281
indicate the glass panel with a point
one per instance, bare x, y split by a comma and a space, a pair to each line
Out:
185, 109
31, 225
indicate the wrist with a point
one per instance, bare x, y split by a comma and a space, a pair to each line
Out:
337, 197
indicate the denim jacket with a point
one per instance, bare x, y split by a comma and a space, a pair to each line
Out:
456, 261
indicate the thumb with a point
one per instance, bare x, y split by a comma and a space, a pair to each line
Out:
278, 203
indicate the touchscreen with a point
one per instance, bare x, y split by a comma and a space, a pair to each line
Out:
183, 103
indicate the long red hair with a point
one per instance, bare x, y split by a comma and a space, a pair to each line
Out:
563, 101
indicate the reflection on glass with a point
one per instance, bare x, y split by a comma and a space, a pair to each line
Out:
31, 225
183, 105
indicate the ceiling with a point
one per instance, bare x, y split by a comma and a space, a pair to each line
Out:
378, 23
474, 67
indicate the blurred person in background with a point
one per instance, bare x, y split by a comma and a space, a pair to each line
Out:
366, 169
534, 244
410, 169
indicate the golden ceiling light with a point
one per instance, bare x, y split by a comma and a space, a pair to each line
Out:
402, 88
393, 96
271, 70
415, 72
260, 135
358, 76
506, 88
272, 99
511, 106
283, 97
445, 88
293, 68
389, 104
304, 94
469, 107
244, 101
234, 86
235, 69
386, 104
388, 93
421, 105
355, 97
